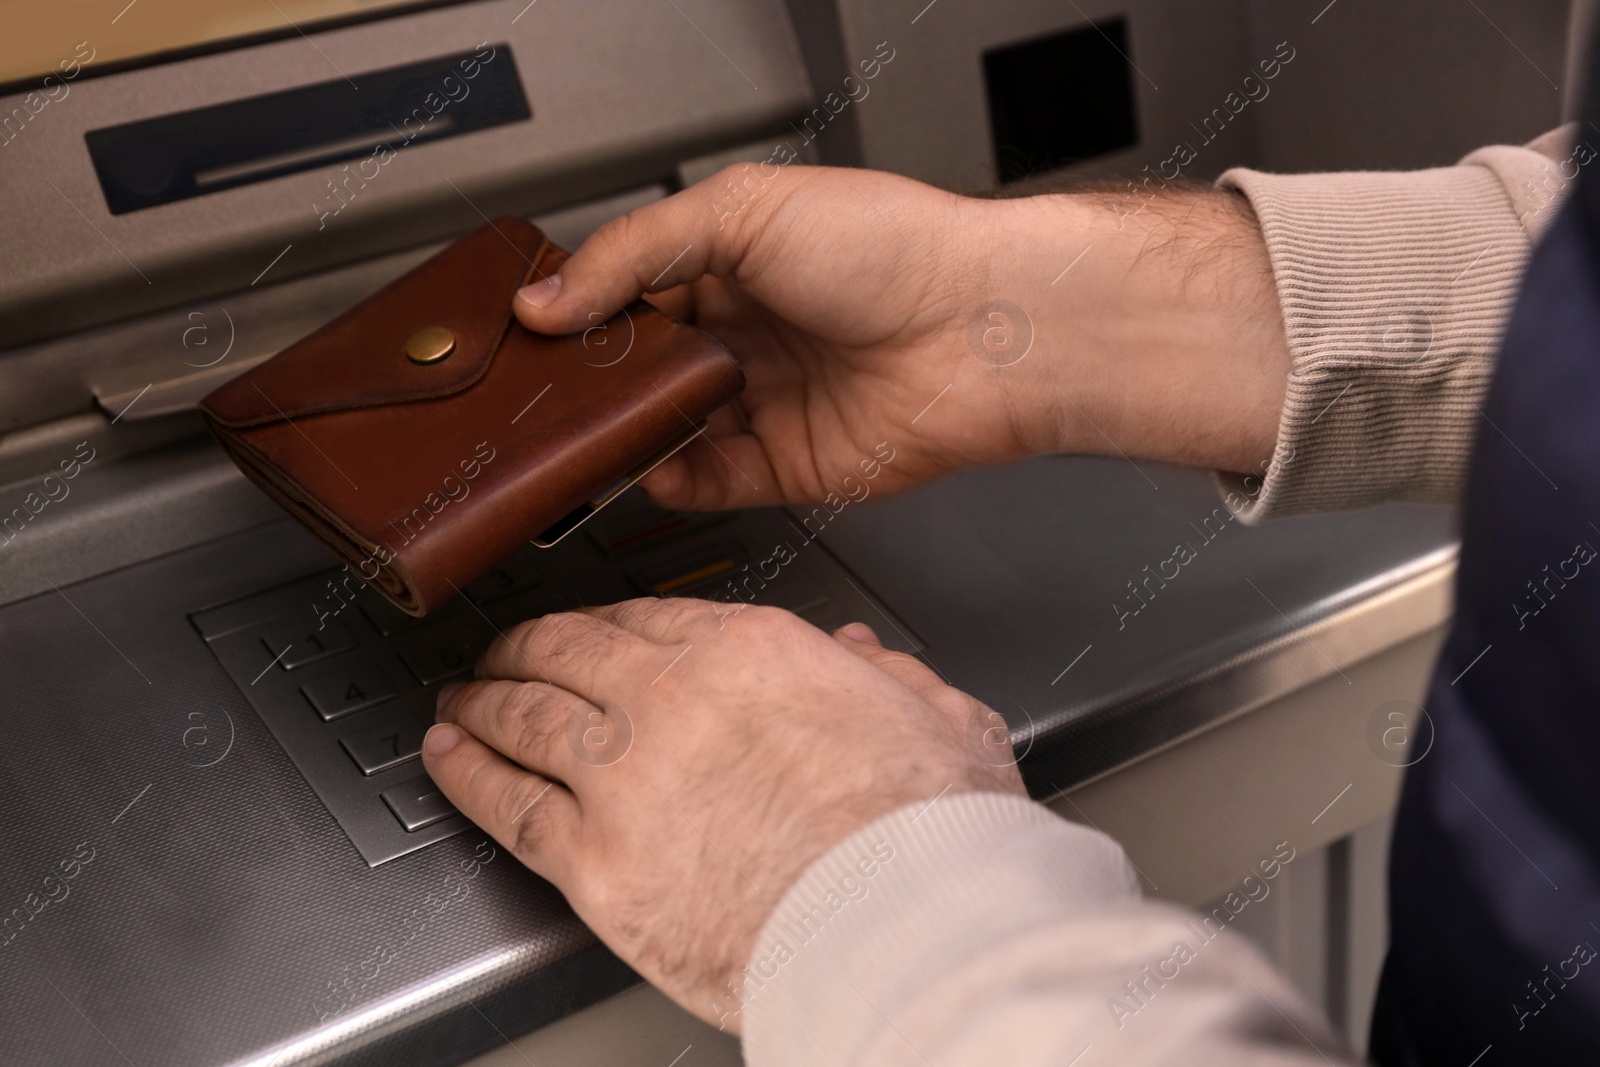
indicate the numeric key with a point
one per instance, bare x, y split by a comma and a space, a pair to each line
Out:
355, 687
387, 745
434, 654
294, 647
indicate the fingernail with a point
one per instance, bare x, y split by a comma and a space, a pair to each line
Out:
541, 292
860, 631
442, 701
441, 739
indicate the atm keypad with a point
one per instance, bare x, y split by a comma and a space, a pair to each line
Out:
349, 687
418, 803
386, 745
512, 576
702, 565
293, 647
390, 620
356, 686
439, 653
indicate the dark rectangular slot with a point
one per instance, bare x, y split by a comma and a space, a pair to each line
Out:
1060, 99
190, 153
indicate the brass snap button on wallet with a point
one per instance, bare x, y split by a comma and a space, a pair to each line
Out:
430, 344
423, 454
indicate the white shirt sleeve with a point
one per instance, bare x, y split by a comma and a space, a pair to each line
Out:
984, 929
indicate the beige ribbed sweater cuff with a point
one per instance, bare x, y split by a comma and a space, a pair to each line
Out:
903, 903
1395, 290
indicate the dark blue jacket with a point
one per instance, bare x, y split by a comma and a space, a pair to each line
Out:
1494, 878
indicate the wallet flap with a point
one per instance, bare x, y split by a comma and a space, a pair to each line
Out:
359, 359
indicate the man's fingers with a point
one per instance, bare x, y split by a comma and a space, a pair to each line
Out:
909, 671
985, 729
860, 632
716, 474
679, 302
527, 813
531, 723
726, 421
665, 620
655, 248
598, 660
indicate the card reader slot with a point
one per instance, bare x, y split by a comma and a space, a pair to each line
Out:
174, 157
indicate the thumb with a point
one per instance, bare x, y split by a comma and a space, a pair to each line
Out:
649, 250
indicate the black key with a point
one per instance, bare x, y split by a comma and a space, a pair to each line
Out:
508, 614
358, 686
792, 592
417, 803
250, 613
387, 745
632, 524
438, 653
391, 620
511, 576
295, 646
636, 530
795, 592
691, 567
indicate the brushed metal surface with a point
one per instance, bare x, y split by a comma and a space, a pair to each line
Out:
227, 918
1017, 577
621, 93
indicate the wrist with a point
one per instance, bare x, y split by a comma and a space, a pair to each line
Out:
1154, 333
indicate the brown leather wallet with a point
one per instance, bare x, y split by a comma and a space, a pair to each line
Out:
425, 434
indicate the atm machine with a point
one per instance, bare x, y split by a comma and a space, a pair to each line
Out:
213, 853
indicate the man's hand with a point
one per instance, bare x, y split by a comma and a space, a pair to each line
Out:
673, 766
870, 308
